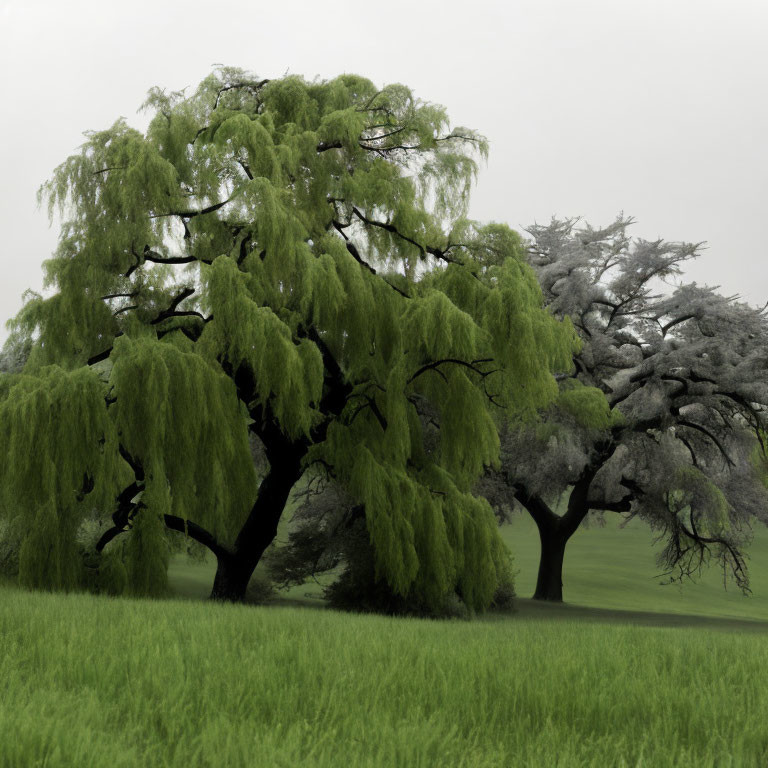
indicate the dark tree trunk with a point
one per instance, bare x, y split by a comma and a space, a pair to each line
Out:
232, 576
549, 584
235, 568
554, 533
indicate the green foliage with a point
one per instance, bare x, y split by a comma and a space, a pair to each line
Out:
179, 417
504, 298
276, 251
10, 542
693, 496
359, 588
48, 557
61, 433
588, 406
428, 536
59, 440
147, 550
288, 375
112, 574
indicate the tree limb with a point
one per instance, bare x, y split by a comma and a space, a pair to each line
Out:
196, 532
436, 252
539, 510
254, 87
185, 293
676, 321
191, 214
713, 438
472, 367
352, 249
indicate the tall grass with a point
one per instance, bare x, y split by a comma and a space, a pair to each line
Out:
92, 681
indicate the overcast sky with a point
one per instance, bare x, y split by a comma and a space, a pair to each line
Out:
659, 109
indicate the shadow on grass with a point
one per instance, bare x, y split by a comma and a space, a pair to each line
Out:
191, 583
526, 608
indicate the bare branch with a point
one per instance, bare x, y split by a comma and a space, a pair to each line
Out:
436, 252
190, 214
254, 87
705, 431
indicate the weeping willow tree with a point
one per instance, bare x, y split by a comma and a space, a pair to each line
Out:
290, 259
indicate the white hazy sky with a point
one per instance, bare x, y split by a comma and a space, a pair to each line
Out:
656, 108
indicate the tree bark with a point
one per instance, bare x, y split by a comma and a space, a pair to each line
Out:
549, 583
235, 568
554, 533
232, 576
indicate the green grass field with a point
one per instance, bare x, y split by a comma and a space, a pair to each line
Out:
92, 681
613, 569
609, 572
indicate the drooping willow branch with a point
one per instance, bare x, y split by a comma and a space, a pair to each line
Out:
433, 366
436, 252
127, 509
352, 248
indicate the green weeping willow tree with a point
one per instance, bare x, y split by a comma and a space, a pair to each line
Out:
290, 259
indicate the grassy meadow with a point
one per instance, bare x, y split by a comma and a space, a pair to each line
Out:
626, 673
609, 573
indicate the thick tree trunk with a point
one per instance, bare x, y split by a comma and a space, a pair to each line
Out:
549, 583
554, 533
235, 568
553, 536
232, 576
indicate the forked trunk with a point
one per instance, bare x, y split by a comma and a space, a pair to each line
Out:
555, 531
234, 569
554, 534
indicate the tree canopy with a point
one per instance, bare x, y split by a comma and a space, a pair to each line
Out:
677, 435
292, 259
